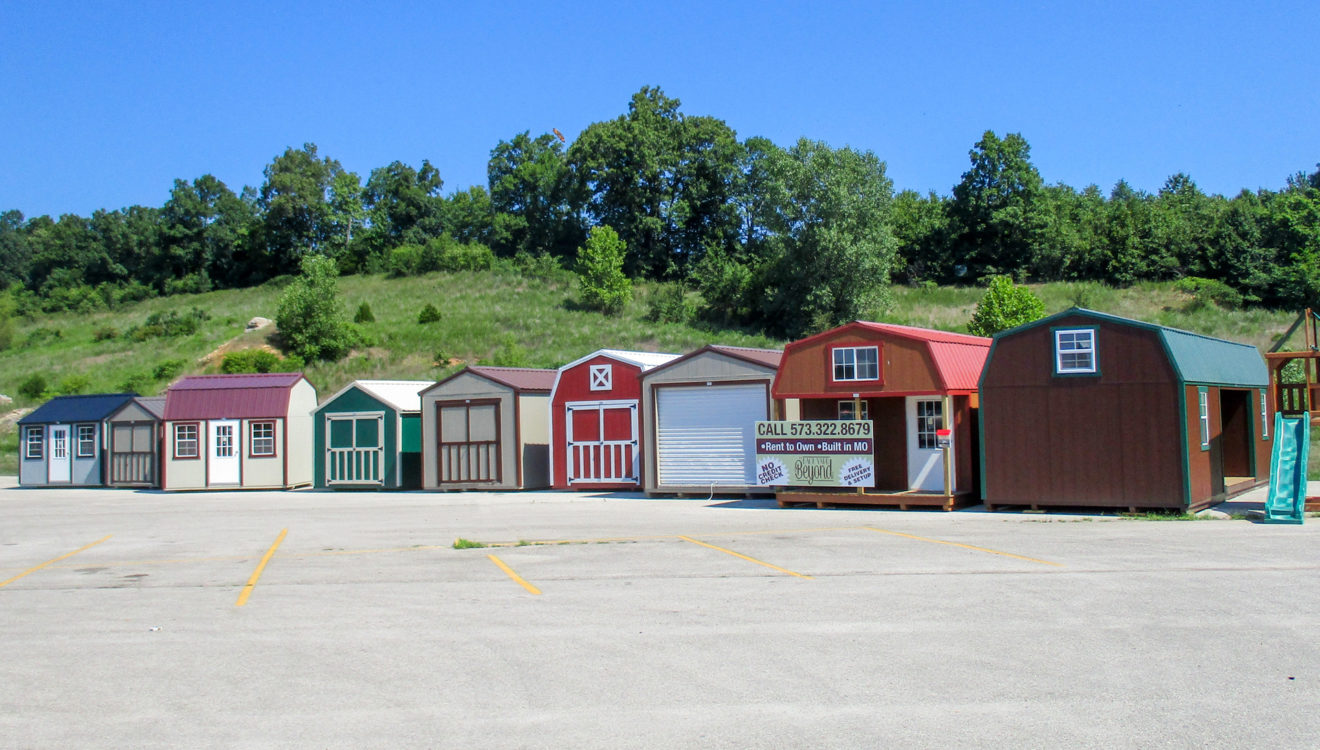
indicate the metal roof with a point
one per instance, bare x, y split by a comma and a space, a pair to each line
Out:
89, 408
925, 334
959, 364
399, 395
1196, 358
519, 378
644, 360
765, 357
153, 404
257, 396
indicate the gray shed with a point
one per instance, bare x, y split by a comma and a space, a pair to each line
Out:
699, 413
135, 441
487, 428
62, 442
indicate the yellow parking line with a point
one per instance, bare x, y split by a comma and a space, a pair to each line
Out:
964, 546
52, 561
745, 557
509, 571
256, 574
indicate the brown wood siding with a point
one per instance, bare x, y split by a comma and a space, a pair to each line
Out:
1263, 445
890, 417
964, 445
905, 366
1201, 464
1110, 440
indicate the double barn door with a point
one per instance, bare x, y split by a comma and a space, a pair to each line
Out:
469, 441
602, 442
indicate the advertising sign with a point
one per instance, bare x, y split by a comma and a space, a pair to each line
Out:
815, 454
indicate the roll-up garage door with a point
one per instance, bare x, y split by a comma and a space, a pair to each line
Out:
705, 435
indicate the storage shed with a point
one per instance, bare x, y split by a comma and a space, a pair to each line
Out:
1086, 409
911, 383
487, 428
595, 432
238, 431
63, 441
699, 413
369, 435
135, 443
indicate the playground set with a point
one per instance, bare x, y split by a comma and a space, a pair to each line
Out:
1287, 501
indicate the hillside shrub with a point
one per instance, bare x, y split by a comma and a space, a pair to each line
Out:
511, 354
169, 369
1207, 292
168, 324
364, 314
138, 382
193, 283
33, 387
669, 304
105, 333
404, 260
541, 266
311, 317
455, 256
1004, 306
250, 360
72, 385
41, 335
429, 314
601, 280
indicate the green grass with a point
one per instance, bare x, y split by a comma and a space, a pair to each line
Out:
488, 314
461, 543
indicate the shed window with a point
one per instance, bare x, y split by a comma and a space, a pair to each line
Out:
1074, 351
86, 440
1264, 417
857, 363
34, 442
185, 441
846, 411
602, 377
930, 418
1204, 405
263, 438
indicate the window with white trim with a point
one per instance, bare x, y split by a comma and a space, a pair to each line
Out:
1264, 416
263, 438
856, 363
1203, 402
1074, 351
847, 413
185, 441
86, 440
602, 377
34, 442
930, 418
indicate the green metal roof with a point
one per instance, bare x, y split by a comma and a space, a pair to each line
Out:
1195, 358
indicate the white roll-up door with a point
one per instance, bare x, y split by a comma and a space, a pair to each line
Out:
705, 434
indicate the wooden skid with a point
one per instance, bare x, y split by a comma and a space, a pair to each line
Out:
902, 501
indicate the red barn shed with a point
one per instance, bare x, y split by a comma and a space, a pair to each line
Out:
595, 435
911, 382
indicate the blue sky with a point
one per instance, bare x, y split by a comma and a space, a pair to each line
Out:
105, 104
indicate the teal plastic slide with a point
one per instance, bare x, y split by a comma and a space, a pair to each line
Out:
1292, 448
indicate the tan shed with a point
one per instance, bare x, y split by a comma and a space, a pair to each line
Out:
699, 413
487, 428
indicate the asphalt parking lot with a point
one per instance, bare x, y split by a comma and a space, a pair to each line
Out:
309, 619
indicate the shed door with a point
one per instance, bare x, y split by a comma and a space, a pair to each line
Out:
133, 453
925, 457
354, 450
705, 435
59, 466
469, 447
602, 442
222, 466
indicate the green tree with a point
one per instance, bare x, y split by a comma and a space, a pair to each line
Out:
603, 285
204, 230
1004, 306
832, 247
311, 318
295, 205
347, 215
469, 216
995, 211
405, 205
534, 198
921, 232
15, 252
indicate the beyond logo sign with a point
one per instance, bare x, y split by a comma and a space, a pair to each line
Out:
815, 454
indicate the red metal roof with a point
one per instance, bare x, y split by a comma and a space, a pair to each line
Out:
519, 378
924, 334
767, 357
959, 364
230, 396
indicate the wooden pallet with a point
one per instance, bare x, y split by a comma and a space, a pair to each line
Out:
899, 500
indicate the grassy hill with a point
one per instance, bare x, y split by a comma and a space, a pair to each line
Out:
487, 316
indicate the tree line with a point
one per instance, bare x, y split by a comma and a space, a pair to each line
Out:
787, 239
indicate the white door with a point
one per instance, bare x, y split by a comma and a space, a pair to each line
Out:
602, 442
223, 446
59, 466
706, 435
925, 457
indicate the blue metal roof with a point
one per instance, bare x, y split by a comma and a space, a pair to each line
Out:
65, 409
1196, 359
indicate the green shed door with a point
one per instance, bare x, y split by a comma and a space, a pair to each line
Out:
354, 454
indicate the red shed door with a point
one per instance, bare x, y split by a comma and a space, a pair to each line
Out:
602, 442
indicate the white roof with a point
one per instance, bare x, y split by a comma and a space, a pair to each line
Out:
644, 360
400, 395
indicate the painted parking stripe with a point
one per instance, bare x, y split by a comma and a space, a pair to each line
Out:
52, 561
256, 574
517, 578
964, 546
744, 557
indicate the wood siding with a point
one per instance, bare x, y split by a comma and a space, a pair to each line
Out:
574, 386
905, 367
